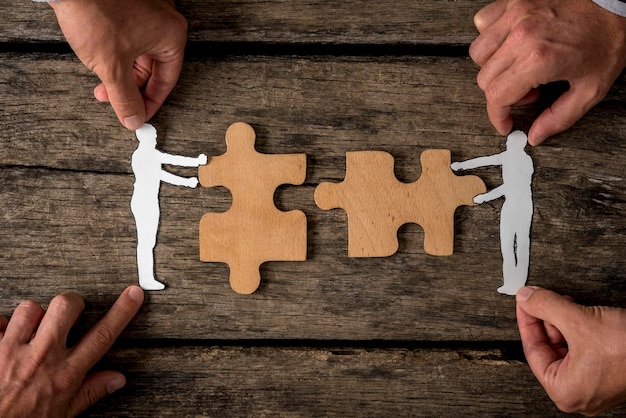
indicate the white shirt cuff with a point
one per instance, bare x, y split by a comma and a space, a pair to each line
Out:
616, 6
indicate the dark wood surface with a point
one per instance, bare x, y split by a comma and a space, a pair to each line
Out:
432, 22
410, 334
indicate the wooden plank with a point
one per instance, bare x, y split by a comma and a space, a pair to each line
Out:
322, 105
389, 22
347, 382
317, 102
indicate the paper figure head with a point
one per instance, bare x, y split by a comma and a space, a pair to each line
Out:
147, 133
516, 139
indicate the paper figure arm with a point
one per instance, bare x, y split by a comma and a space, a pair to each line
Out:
181, 161
477, 162
490, 195
178, 180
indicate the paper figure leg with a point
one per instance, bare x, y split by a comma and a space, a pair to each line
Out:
147, 227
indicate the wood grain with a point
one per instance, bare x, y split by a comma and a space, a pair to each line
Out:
377, 204
406, 335
356, 22
338, 381
252, 231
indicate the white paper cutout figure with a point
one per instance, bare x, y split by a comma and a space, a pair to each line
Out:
146, 164
517, 209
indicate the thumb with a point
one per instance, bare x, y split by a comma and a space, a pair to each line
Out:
563, 113
550, 307
126, 100
546, 322
95, 387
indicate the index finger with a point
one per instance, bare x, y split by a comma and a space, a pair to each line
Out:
161, 83
101, 337
504, 88
500, 117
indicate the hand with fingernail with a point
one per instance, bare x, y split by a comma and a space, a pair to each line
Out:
524, 44
578, 353
136, 48
39, 375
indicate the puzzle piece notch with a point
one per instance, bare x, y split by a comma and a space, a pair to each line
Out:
253, 230
377, 204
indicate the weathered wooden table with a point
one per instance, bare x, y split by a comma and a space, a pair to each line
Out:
410, 334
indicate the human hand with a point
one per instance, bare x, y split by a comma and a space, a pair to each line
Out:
39, 375
136, 48
202, 159
527, 43
577, 353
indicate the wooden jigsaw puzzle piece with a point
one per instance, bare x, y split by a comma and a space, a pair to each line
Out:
377, 204
441, 193
253, 230
245, 246
368, 197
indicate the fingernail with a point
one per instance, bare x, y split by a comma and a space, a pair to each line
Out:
133, 122
116, 384
535, 140
524, 293
478, 20
135, 293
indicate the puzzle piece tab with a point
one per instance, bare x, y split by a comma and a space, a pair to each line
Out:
253, 230
377, 204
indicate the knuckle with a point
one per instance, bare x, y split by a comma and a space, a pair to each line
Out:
182, 22
493, 94
180, 26
520, 10
523, 30
91, 395
29, 367
68, 378
537, 57
103, 335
